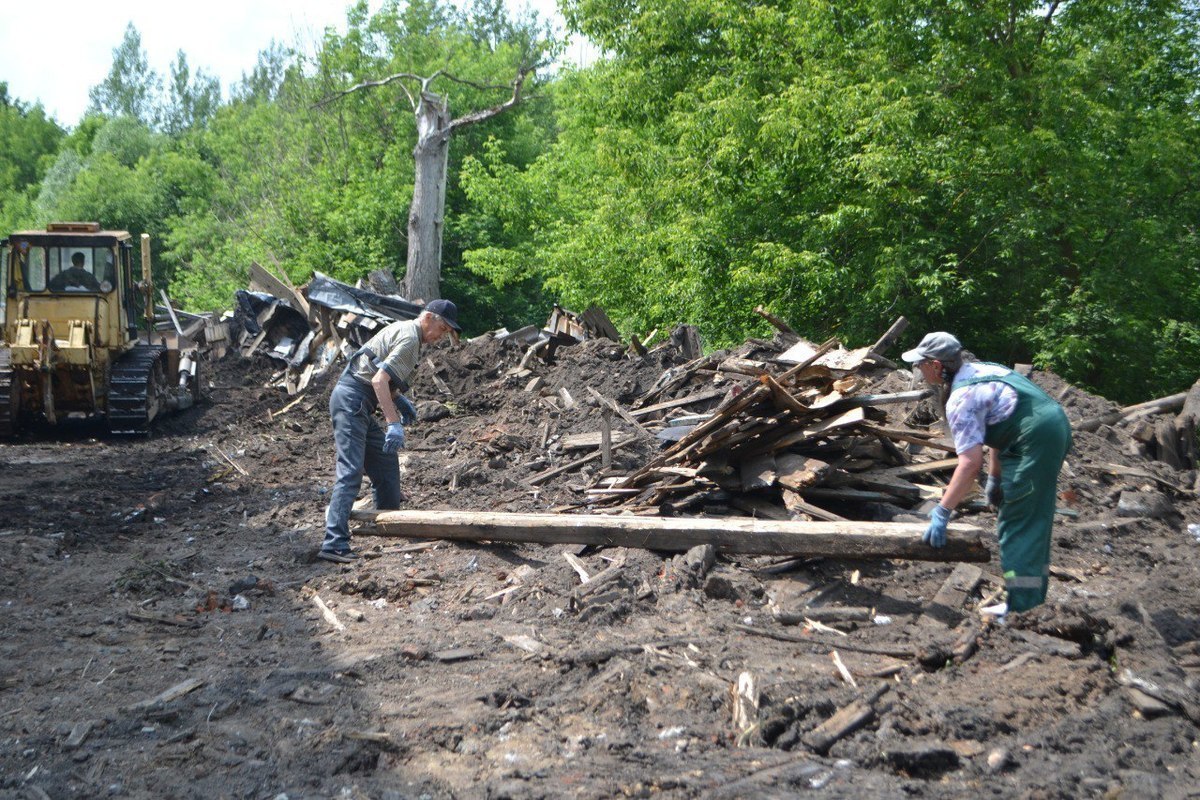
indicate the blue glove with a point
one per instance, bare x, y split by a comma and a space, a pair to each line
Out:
935, 534
993, 491
408, 412
393, 440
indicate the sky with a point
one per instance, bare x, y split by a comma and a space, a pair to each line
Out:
57, 50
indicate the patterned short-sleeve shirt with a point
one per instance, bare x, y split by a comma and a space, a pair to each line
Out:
971, 409
398, 348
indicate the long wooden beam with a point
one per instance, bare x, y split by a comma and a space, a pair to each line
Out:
846, 540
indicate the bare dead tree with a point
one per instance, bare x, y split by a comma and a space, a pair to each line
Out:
426, 216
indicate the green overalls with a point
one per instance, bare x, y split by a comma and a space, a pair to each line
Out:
1032, 443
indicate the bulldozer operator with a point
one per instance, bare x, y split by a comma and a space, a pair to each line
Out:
75, 277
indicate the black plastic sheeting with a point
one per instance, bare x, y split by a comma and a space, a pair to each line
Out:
327, 292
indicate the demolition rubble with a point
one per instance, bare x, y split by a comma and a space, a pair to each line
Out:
623, 568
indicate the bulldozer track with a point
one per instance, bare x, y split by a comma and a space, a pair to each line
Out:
136, 382
7, 421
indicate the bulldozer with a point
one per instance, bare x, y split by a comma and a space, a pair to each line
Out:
78, 335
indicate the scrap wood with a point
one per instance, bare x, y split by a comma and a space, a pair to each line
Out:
757, 507
841, 668
876, 482
825, 614
779, 324
146, 616
845, 721
1134, 472
591, 439
231, 462
758, 472
166, 696
542, 477
746, 700
679, 401
286, 408
327, 612
578, 566
946, 607
622, 413
795, 503
912, 470
890, 652
890, 336
1178, 697
796, 472
596, 656
790, 438
1161, 405
791, 772
912, 437
852, 540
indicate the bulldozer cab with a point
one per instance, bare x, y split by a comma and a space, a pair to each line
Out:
73, 271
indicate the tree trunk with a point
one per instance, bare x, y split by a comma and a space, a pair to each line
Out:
426, 216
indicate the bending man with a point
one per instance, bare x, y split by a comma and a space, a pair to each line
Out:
1028, 436
377, 376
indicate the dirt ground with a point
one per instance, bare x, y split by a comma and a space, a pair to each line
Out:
183, 564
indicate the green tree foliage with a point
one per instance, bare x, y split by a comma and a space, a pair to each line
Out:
28, 143
192, 98
1022, 173
131, 87
1018, 172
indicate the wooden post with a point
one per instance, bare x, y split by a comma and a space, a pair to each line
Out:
605, 437
849, 539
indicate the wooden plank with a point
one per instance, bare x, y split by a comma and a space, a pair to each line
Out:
797, 504
946, 607
679, 401
846, 721
263, 280
875, 482
854, 416
174, 693
592, 439
1161, 405
542, 477
846, 495
913, 470
779, 324
758, 472
797, 472
891, 335
842, 360
912, 437
757, 507
616, 409
854, 540
785, 399
870, 400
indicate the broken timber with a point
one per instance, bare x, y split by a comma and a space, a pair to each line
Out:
850, 540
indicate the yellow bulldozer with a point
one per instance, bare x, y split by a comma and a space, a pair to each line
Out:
78, 335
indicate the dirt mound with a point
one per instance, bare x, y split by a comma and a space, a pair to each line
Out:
169, 634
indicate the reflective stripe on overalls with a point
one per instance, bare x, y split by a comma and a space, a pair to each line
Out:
1032, 444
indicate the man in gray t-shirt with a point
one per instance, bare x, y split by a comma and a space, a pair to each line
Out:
377, 376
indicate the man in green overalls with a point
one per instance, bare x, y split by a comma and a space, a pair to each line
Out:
1028, 436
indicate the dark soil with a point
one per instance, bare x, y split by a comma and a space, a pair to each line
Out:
131, 566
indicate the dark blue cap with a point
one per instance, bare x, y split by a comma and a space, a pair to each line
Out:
446, 310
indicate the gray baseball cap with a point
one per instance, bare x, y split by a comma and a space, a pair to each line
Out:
938, 345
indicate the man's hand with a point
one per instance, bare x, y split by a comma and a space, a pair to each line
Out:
393, 440
935, 534
408, 412
993, 491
